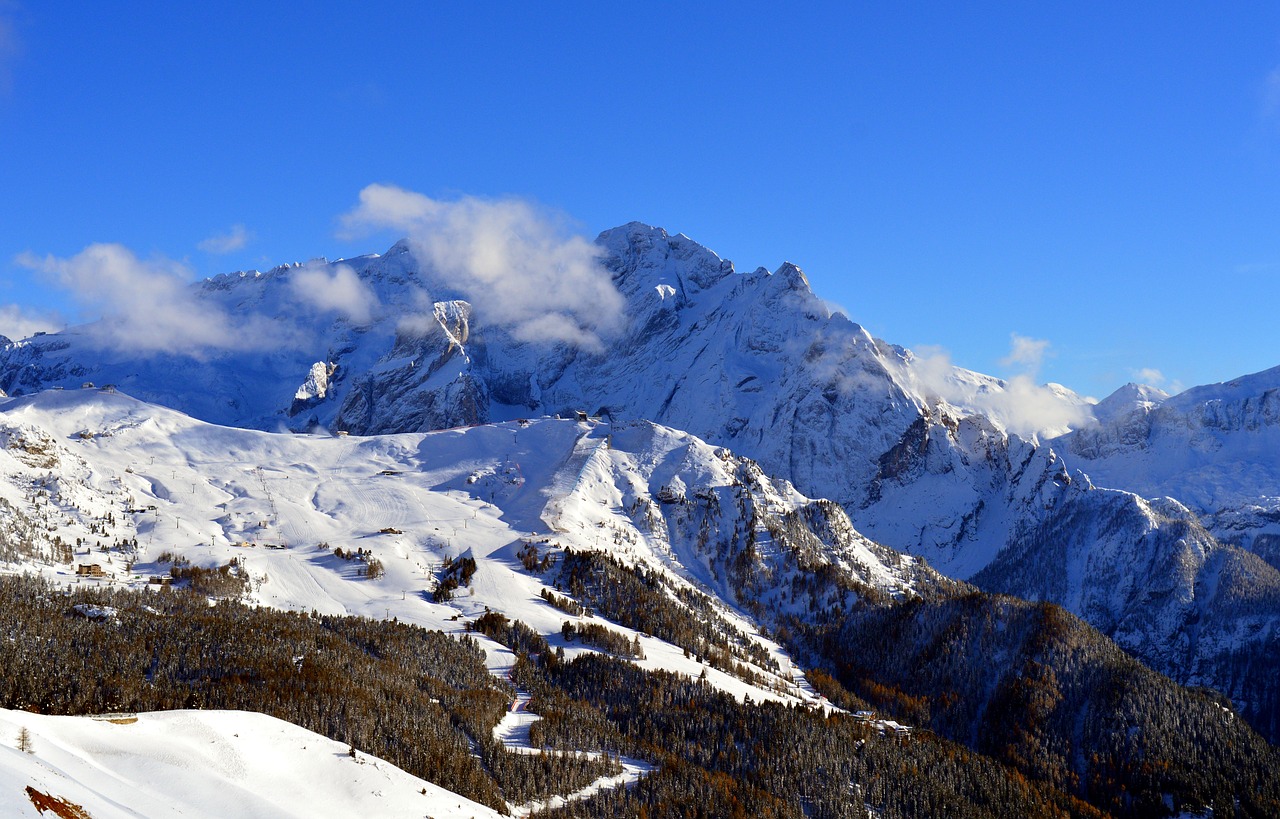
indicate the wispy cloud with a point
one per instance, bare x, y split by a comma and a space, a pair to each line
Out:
17, 323
1256, 268
1155, 378
234, 239
513, 261
1271, 96
334, 290
1021, 405
148, 306
1026, 353
1149, 375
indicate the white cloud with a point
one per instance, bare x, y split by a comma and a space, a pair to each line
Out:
1155, 378
148, 306
512, 260
1025, 352
1150, 376
341, 291
1019, 404
420, 319
389, 206
16, 323
1033, 410
234, 239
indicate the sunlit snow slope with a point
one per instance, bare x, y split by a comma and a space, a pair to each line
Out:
212, 764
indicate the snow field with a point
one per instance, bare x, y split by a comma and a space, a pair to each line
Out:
210, 764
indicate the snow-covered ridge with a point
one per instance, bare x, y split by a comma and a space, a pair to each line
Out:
369, 526
754, 361
1130, 399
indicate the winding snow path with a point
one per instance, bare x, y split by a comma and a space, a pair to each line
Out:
513, 732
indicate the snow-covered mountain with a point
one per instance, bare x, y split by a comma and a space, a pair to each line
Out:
1215, 448
376, 526
926, 458
912, 448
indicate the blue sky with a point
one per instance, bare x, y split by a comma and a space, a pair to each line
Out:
1101, 177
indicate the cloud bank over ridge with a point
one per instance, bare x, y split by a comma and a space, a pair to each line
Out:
148, 305
1023, 406
512, 260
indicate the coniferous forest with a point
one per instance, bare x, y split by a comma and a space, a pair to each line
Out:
1066, 726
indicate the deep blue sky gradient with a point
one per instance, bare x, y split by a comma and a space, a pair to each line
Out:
1102, 176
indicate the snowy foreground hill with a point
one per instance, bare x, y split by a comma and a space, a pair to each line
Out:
210, 764
133, 494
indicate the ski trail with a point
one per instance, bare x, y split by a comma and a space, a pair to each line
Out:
632, 772
513, 732
569, 477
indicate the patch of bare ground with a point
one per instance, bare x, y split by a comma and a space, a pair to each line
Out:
60, 807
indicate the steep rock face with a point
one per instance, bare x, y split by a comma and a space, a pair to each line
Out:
717, 519
754, 361
953, 485
425, 382
1143, 572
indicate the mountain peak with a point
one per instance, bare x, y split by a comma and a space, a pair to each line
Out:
793, 276
1132, 397
642, 256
